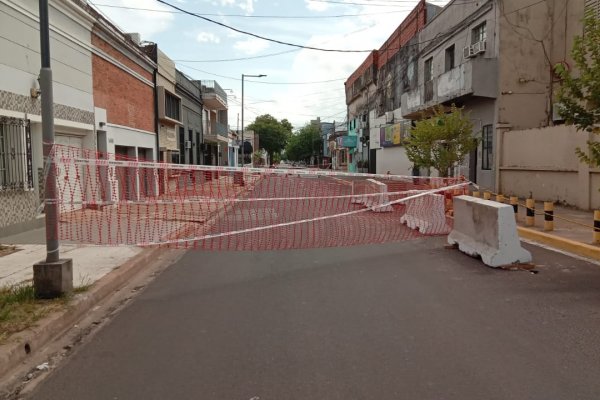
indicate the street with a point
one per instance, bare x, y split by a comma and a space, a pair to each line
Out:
408, 320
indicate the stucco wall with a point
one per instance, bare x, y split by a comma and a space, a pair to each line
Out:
532, 41
69, 44
543, 162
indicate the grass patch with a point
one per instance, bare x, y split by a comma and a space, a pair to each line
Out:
19, 309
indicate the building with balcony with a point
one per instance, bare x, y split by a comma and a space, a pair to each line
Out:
189, 137
495, 58
373, 94
215, 125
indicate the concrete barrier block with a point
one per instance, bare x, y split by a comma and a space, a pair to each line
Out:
427, 214
487, 229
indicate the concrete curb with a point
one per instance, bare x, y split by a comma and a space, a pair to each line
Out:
568, 245
51, 327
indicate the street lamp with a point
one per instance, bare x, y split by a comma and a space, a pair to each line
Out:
243, 76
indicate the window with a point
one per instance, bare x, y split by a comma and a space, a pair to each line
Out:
428, 75
478, 34
487, 147
428, 70
16, 170
449, 58
172, 105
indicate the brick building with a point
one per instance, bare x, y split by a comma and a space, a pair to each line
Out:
123, 77
373, 93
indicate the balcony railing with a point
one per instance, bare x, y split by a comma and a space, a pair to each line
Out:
221, 129
209, 87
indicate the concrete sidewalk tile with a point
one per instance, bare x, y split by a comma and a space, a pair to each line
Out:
90, 263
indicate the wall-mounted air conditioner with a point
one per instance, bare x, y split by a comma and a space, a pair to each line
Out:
188, 144
468, 52
479, 47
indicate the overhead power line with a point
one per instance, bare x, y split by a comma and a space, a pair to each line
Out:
251, 16
262, 82
260, 36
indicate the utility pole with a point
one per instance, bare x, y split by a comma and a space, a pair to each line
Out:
52, 277
243, 76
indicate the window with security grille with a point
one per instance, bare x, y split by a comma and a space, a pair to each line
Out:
172, 106
16, 171
478, 34
487, 147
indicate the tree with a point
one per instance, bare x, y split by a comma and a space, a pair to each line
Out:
304, 144
273, 134
441, 141
579, 97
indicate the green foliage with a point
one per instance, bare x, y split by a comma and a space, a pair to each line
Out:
273, 134
579, 96
304, 143
257, 158
441, 141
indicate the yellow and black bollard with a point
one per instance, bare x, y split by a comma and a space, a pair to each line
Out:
476, 194
500, 198
548, 216
530, 216
487, 195
597, 227
514, 202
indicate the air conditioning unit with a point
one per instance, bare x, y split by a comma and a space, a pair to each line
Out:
389, 116
468, 52
188, 144
479, 47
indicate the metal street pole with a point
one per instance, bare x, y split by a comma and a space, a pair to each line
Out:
52, 277
243, 76
51, 207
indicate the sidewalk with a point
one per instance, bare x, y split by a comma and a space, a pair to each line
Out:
573, 230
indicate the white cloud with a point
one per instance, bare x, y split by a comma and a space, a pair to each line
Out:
207, 37
316, 5
251, 46
247, 6
146, 23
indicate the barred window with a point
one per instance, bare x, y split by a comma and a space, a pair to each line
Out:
172, 106
16, 171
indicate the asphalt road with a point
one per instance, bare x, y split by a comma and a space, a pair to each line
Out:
398, 321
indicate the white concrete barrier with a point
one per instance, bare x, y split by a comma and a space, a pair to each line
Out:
377, 197
487, 229
427, 214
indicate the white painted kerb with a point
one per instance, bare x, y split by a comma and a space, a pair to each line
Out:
487, 229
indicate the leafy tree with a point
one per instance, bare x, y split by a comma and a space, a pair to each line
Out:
579, 96
273, 134
441, 141
304, 144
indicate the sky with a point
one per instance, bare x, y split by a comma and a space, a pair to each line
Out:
301, 84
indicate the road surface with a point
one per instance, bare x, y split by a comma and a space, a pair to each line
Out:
411, 320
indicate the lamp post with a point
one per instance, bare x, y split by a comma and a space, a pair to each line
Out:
243, 76
52, 277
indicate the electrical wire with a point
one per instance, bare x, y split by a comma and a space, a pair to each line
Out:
262, 82
260, 36
252, 16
